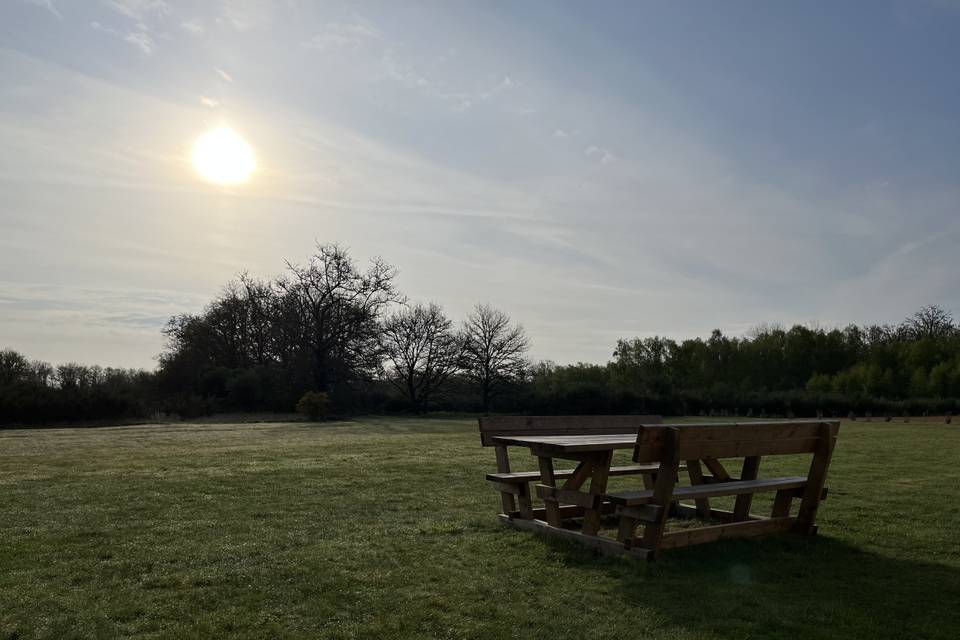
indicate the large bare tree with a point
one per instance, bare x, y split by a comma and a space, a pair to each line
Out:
339, 308
423, 350
494, 351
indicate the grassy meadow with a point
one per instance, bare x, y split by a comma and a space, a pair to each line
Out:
385, 528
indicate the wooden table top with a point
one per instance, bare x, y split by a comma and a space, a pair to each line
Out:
572, 443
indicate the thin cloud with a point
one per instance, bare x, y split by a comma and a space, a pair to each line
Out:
337, 35
138, 9
47, 5
194, 27
142, 41
603, 154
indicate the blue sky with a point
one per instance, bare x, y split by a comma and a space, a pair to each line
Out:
598, 170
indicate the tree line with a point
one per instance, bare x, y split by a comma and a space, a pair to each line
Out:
348, 337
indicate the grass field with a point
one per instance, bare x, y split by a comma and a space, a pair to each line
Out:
385, 528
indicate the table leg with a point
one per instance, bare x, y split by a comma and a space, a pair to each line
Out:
551, 506
598, 486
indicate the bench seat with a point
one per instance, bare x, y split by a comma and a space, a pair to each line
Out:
633, 498
533, 476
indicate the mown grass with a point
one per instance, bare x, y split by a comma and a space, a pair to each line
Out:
384, 528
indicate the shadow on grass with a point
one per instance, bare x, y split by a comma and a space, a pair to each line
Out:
786, 587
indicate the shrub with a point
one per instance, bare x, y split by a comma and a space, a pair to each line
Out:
314, 404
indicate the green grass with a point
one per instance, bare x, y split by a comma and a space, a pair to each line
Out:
385, 528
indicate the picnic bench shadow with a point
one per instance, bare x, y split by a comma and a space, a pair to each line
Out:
781, 587
661, 453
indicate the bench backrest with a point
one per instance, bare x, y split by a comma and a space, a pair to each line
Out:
733, 440
491, 426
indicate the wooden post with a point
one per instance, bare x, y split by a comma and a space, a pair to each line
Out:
781, 504
663, 491
598, 487
552, 507
815, 480
503, 466
523, 498
696, 477
741, 508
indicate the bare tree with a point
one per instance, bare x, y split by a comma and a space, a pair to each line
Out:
339, 307
930, 322
494, 351
423, 350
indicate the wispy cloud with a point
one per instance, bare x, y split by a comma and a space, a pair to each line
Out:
194, 26
339, 35
47, 5
604, 155
142, 41
139, 9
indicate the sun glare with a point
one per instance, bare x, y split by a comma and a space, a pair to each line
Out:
222, 156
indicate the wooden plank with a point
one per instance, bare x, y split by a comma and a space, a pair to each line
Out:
566, 511
524, 502
567, 496
598, 487
533, 476
642, 513
663, 490
709, 490
817, 476
690, 511
580, 475
696, 478
569, 444
717, 469
732, 530
607, 546
724, 431
507, 503
512, 488
491, 426
546, 473
781, 504
741, 508
727, 449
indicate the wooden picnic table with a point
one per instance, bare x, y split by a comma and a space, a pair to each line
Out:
662, 451
593, 453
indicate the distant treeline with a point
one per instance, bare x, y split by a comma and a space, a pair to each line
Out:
350, 340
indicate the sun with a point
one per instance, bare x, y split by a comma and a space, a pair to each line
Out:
222, 156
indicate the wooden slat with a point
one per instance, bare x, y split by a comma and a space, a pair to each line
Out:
604, 545
641, 513
507, 501
571, 443
598, 487
741, 509
491, 426
729, 449
732, 530
533, 476
567, 496
546, 474
696, 478
711, 490
566, 511
817, 475
721, 431
512, 488
690, 511
663, 489
717, 469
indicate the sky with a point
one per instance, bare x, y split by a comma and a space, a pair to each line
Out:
597, 170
